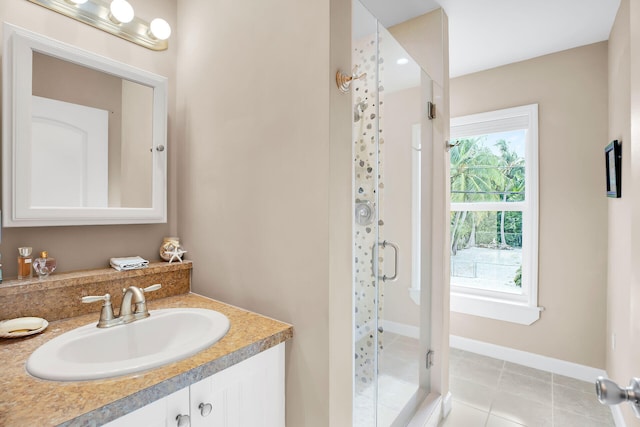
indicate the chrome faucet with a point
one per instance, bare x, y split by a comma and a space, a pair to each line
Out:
134, 306
133, 295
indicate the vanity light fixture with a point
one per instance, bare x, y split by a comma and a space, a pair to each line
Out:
116, 17
159, 29
121, 11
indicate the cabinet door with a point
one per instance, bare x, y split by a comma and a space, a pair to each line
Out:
161, 413
248, 394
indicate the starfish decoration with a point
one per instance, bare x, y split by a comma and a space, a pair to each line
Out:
176, 254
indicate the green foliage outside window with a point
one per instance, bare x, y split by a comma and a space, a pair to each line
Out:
482, 174
518, 278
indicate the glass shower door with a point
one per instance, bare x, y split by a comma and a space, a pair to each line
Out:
389, 128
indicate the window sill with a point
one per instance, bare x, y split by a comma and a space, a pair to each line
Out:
507, 311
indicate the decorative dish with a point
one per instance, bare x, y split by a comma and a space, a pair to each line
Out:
22, 327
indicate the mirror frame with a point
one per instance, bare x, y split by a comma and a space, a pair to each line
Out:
19, 45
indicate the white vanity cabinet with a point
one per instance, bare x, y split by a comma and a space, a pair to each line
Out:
247, 394
161, 413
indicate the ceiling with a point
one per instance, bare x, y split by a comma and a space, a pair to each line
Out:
485, 34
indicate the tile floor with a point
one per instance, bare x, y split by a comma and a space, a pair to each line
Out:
486, 392
489, 392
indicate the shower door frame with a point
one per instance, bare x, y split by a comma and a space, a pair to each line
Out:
433, 376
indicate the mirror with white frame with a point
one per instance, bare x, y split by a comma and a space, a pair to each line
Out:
84, 136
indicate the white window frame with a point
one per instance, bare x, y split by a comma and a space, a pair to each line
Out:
522, 309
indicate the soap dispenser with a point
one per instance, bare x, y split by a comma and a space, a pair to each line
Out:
44, 265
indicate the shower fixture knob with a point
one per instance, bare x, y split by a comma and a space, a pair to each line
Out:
344, 81
364, 213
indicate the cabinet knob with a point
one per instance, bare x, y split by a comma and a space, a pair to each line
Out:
183, 421
205, 409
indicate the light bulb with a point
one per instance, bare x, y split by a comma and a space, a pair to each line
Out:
77, 1
402, 61
121, 11
160, 29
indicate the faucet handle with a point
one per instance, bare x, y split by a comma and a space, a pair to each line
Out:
92, 298
106, 314
147, 289
152, 287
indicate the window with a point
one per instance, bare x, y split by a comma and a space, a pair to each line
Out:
494, 214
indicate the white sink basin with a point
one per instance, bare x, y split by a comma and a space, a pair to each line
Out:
89, 353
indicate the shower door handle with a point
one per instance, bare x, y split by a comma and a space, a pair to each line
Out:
396, 250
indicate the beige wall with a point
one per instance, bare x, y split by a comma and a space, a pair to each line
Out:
426, 39
265, 179
91, 246
262, 136
340, 223
623, 314
634, 297
570, 88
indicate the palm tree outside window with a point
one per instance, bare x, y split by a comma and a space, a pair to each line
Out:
493, 176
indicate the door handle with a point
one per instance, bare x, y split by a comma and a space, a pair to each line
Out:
396, 250
610, 393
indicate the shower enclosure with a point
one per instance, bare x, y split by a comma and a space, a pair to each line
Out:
391, 106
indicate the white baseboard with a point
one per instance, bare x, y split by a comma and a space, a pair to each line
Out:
429, 413
532, 360
401, 329
618, 419
447, 405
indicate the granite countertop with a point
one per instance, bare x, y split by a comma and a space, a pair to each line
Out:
29, 401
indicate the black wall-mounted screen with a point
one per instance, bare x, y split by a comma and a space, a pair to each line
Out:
613, 159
